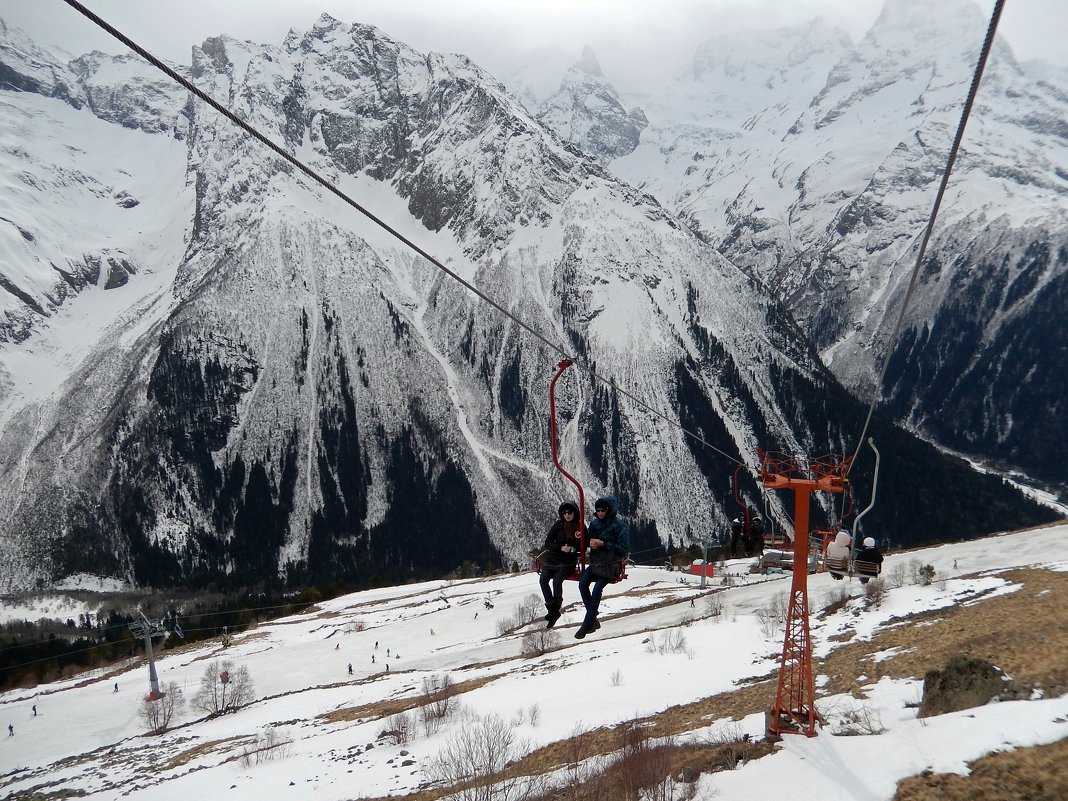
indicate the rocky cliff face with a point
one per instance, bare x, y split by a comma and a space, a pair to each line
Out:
269, 387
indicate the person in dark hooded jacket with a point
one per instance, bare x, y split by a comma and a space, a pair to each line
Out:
737, 536
869, 554
608, 538
558, 559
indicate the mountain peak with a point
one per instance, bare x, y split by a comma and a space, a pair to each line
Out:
326, 23
908, 13
588, 63
588, 112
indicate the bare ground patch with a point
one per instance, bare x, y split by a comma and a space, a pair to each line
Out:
383, 709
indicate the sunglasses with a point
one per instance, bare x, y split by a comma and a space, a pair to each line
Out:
569, 513
601, 510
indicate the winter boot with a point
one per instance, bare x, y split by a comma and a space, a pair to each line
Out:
553, 616
588, 625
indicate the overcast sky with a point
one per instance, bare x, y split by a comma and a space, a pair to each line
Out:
499, 34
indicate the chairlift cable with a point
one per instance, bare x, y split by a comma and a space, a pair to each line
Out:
330, 187
59, 656
965, 114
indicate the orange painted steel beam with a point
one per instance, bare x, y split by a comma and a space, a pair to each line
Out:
794, 709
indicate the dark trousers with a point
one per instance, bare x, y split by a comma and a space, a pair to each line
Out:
556, 576
736, 540
591, 598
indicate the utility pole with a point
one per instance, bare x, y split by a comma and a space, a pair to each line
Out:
704, 562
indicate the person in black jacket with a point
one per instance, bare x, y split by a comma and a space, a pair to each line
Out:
869, 555
558, 559
754, 539
737, 536
608, 538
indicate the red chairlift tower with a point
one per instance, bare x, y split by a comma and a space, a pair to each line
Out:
794, 710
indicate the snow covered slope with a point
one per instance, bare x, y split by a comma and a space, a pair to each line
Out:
329, 725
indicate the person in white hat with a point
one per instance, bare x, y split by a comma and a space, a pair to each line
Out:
869, 553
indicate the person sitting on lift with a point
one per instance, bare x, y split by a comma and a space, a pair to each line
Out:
737, 536
559, 558
838, 555
754, 541
609, 541
869, 555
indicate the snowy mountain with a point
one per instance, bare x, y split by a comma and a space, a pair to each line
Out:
386, 692
587, 112
812, 163
214, 371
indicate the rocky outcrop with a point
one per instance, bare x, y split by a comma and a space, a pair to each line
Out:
967, 682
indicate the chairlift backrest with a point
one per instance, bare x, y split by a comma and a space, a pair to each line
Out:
865, 568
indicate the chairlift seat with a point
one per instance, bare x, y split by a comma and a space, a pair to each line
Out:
837, 564
576, 574
784, 559
865, 568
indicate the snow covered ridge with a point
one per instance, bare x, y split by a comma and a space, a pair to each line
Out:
314, 726
275, 390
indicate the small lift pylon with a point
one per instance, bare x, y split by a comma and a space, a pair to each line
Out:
794, 710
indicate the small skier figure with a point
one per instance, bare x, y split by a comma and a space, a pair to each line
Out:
372, 659
10, 730
337, 647
35, 710
350, 668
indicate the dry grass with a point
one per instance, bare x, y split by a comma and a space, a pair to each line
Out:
1027, 774
383, 710
1024, 633
183, 757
